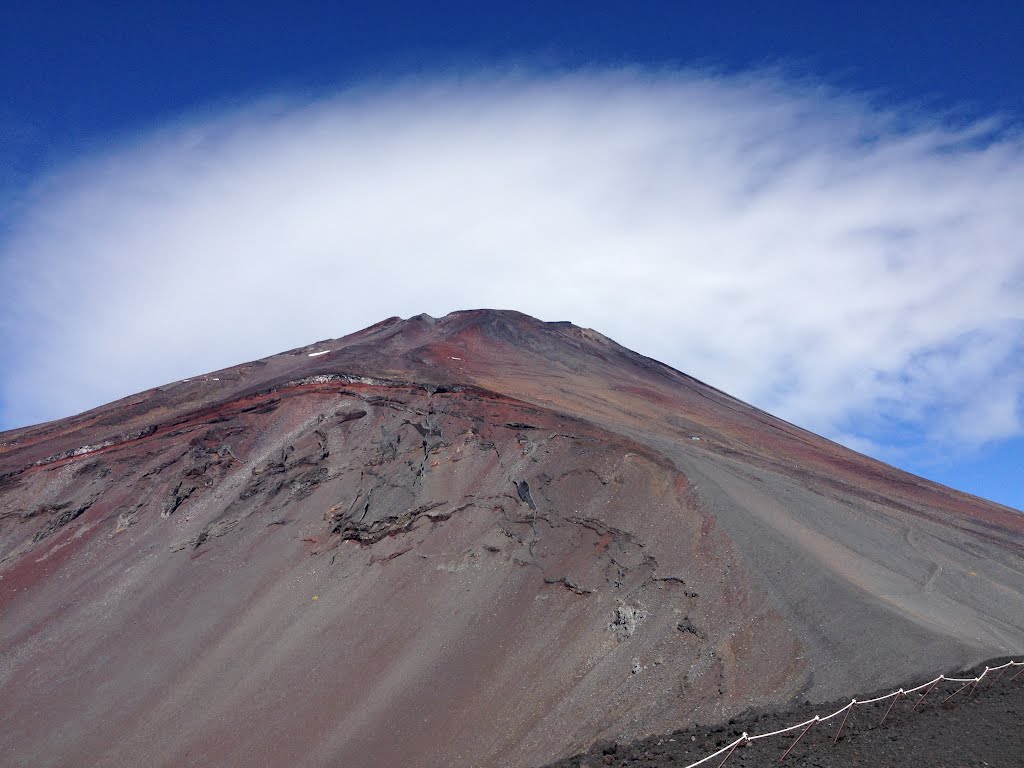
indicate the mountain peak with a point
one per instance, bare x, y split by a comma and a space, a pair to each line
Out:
445, 508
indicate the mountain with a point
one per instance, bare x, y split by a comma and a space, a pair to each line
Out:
474, 540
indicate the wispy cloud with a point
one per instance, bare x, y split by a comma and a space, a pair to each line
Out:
846, 267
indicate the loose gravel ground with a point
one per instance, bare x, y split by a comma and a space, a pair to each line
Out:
981, 727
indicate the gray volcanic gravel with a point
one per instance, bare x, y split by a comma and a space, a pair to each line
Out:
979, 728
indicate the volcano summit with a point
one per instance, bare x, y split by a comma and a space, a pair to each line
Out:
480, 539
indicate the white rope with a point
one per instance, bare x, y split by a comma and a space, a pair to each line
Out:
839, 711
782, 730
853, 703
726, 748
881, 698
933, 682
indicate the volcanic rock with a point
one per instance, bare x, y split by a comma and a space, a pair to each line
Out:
473, 540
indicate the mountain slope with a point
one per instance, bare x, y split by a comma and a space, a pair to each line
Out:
475, 539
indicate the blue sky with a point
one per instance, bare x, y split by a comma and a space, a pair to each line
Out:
76, 75
811, 205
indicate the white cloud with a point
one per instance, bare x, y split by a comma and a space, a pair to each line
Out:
842, 266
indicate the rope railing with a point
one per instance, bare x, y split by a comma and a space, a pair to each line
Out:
745, 738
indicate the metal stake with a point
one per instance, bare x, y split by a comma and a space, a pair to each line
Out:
954, 693
809, 726
930, 687
836, 739
729, 753
894, 700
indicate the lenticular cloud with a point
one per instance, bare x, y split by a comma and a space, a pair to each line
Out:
852, 269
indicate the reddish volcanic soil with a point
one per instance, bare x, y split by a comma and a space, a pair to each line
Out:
475, 540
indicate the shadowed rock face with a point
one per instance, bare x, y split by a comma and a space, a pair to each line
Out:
479, 539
